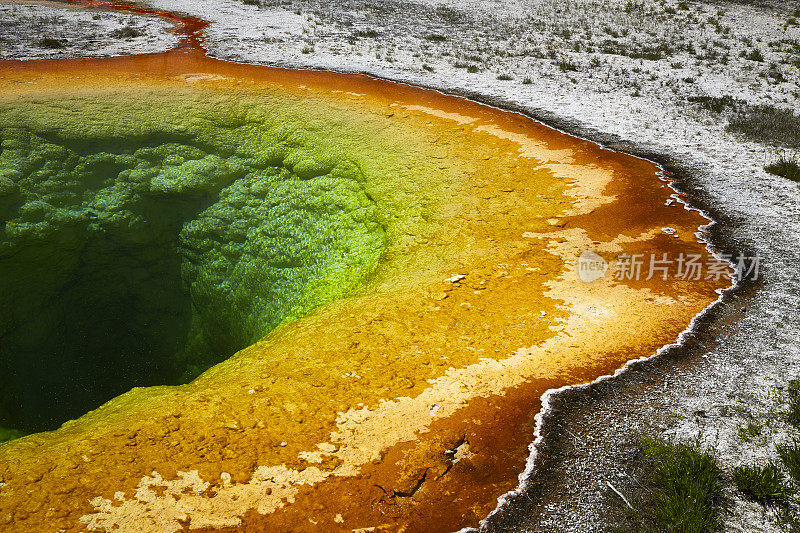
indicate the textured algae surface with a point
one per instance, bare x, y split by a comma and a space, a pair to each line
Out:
143, 241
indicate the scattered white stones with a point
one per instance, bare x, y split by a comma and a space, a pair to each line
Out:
455, 278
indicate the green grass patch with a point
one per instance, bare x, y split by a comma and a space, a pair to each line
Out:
789, 169
369, 33
793, 403
565, 65
767, 124
637, 51
790, 457
685, 492
52, 44
128, 32
755, 55
764, 123
748, 432
451, 15
715, 104
764, 484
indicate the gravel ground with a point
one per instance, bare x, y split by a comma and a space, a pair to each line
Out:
635, 76
52, 31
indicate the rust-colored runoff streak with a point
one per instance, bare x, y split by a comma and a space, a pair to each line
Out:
442, 472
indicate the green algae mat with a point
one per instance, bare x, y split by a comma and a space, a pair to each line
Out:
184, 227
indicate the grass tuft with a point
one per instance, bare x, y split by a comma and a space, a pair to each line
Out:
368, 33
789, 169
49, 42
686, 488
748, 432
565, 65
451, 15
715, 104
793, 403
755, 55
765, 484
764, 124
128, 32
790, 457
767, 124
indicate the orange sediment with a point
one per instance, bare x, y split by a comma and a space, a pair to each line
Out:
410, 406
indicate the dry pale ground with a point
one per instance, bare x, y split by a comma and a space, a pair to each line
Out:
52, 31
